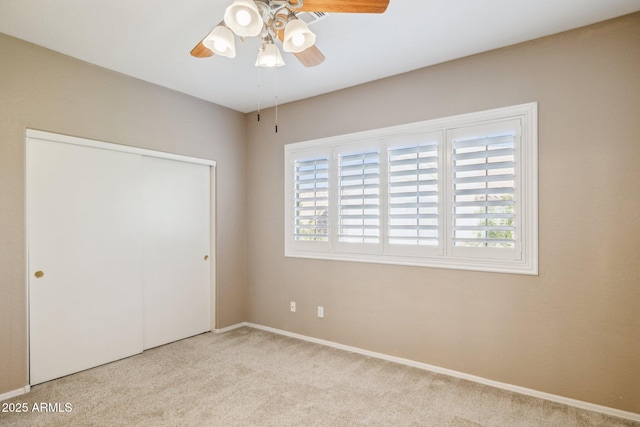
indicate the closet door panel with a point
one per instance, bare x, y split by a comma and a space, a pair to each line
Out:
176, 221
84, 222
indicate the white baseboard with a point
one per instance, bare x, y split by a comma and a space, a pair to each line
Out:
8, 395
231, 328
510, 387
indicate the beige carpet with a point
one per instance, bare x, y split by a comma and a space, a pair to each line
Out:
249, 377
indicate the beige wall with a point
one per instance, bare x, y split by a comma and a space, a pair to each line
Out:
574, 330
44, 90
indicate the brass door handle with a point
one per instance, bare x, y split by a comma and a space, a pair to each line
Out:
39, 274
206, 257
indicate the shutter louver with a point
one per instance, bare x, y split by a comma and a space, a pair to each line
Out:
311, 198
359, 197
413, 195
483, 191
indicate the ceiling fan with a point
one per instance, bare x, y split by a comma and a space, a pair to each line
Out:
276, 19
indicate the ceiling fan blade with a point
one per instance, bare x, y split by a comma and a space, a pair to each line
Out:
201, 51
344, 6
310, 57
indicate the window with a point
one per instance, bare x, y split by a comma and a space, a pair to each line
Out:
359, 197
484, 199
458, 192
311, 197
413, 193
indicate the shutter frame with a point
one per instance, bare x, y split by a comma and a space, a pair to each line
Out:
484, 190
414, 194
358, 213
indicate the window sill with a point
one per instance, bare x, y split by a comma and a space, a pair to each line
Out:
469, 264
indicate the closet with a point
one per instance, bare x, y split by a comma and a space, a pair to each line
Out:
119, 246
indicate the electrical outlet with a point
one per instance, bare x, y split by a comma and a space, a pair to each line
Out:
293, 306
320, 311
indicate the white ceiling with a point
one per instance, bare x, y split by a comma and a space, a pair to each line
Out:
151, 40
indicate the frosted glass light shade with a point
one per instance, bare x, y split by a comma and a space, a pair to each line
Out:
243, 18
221, 42
297, 36
269, 56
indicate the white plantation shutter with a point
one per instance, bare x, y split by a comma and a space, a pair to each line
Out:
485, 196
413, 196
359, 196
457, 192
311, 199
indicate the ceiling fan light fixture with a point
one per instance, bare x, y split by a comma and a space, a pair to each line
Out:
243, 18
297, 36
269, 56
221, 42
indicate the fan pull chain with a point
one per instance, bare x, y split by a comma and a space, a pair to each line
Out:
258, 93
276, 100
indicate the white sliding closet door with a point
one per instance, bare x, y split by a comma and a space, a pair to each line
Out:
85, 242
119, 251
176, 229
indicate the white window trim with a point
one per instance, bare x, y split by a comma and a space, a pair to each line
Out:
528, 192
